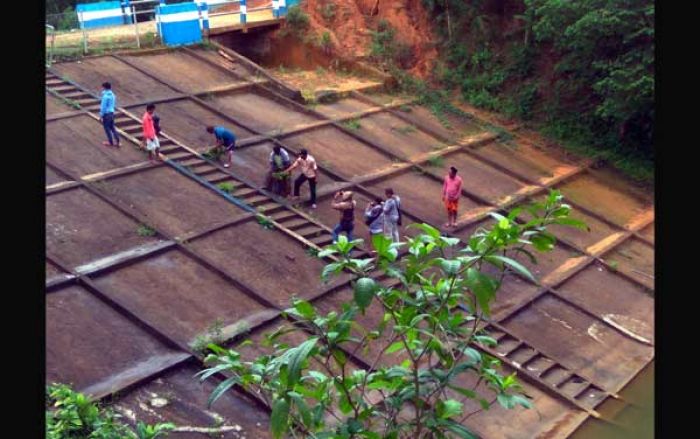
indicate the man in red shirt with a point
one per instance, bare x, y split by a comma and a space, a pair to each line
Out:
451, 190
149, 133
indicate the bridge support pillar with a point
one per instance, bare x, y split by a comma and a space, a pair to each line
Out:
282, 8
244, 12
203, 16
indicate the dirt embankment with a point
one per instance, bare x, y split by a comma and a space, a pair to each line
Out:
350, 22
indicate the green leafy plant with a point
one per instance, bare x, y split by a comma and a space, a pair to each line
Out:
213, 154
325, 42
385, 49
296, 22
265, 222
213, 334
146, 431
226, 187
436, 161
419, 337
309, 96
313, 252
145, 230
352, 124
71, 414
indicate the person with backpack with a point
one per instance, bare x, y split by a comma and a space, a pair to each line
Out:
392, 215
374, 217
343, 202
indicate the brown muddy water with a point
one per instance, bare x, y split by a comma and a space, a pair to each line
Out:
635, 421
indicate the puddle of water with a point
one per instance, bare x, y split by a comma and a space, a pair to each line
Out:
637, 422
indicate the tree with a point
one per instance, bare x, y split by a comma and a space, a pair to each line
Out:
426, 340
607, 49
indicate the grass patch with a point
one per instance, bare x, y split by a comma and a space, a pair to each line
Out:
226, 187
264, 221
406, 129
213, 335
309, 96
636, 166
436, 161
313, 252
352, 124
502, 134
145, 230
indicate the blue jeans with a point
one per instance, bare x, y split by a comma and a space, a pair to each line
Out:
108, 124
347, 228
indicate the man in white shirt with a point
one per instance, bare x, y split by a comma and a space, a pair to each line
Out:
308, 172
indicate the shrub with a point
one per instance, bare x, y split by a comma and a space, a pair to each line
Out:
71, 414
424, 338
296, 22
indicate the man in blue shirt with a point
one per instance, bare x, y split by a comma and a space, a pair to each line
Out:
226, 138
107, 105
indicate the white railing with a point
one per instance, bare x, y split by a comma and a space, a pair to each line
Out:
52, 30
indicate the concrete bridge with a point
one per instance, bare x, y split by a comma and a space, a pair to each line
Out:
226, 17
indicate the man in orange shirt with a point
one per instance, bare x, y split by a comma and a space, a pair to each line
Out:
451, 190
149, 133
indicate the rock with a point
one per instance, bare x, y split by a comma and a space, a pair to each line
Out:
159, 402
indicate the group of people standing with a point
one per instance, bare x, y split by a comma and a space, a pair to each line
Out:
150, 123
384, 215
381, 215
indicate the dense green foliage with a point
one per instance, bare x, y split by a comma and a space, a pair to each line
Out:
71, 415
582, 70
296, 22
386, 49
422, 343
